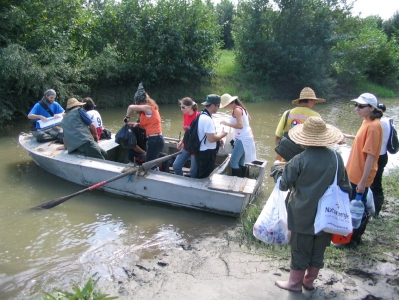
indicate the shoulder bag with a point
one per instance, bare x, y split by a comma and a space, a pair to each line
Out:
333, 210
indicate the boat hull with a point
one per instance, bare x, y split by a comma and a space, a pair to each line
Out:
219, 193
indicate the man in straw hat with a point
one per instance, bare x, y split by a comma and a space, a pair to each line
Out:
307, 99
77, 136
308, 179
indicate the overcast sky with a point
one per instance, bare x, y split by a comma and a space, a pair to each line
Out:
384, 8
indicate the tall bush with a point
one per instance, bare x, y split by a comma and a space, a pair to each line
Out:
368, 56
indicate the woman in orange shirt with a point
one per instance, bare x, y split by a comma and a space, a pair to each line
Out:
149, 119
362, 163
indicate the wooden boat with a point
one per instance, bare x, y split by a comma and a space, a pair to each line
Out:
220, 193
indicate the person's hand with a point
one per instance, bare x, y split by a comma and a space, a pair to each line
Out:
276, 171
61, 147
126, 119
96, 138
360, 188
57, 116
44, 119
223, 123
179, 145
221, 143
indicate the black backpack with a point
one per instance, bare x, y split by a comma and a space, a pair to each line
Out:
393, 143
191, 141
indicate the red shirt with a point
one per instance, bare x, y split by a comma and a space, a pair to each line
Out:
188, 119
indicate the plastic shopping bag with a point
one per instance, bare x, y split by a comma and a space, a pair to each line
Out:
271, 226
370, 203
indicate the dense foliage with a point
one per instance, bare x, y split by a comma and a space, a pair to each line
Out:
75, 46
313, 43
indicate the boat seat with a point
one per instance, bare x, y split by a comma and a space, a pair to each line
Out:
108, 144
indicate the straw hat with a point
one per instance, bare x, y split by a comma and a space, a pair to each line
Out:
72, 102
315, 132
308, 94
226, 100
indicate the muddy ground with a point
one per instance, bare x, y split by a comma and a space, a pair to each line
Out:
210, 268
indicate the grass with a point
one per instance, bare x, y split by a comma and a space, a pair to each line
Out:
228, 78
88, 292
380, 240
379, 91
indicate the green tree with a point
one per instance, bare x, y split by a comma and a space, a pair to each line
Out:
226, 11
294, 41
369, 56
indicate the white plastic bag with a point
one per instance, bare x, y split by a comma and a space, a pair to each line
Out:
333, 210
370, 203
271, 226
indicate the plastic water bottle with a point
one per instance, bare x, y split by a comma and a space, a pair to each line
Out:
357, 210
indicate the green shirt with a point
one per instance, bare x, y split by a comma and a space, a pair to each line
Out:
308, 175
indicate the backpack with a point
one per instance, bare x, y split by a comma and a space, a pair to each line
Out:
190, 139
105, 134
393, 143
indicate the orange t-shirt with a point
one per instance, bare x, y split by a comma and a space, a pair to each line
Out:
368, 140
152, 125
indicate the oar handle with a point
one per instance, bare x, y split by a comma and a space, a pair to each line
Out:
93, 187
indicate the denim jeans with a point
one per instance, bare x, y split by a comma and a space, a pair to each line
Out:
181, 160
154, 147
238, 157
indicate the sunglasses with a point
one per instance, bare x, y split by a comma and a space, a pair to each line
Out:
361, 105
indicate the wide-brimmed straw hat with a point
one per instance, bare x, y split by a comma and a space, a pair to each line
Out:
72, 102
308, 94
315, 132
226, 99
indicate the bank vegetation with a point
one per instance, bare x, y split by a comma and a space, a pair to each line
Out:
104, 48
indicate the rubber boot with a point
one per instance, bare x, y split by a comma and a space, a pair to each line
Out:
236, 172
378, 202
243, 171
310, 276
294, 283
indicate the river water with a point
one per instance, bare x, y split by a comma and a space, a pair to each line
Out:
100, 232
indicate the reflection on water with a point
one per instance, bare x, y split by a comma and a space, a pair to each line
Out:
101, 232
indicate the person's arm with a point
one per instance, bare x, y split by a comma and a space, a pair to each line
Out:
35, 117
93, 131
238, 115
214, 137
277, 139
144, 108
361, 186
139, 150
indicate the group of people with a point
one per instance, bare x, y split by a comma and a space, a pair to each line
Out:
308, 174
81, 125
202, 163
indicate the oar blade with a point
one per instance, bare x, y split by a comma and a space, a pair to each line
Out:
52, 203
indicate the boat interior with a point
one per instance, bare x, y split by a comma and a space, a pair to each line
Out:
119, 154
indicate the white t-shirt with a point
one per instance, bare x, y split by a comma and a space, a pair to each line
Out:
386, 130
206, 125
95, 117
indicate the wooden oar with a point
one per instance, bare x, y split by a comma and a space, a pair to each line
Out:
145, 166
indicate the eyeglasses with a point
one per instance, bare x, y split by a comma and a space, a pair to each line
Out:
361, 105
183, 107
